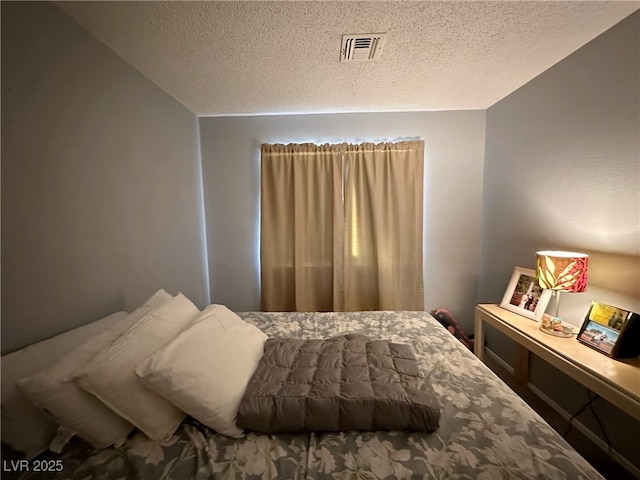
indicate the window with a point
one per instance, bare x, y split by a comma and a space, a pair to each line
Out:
341, 226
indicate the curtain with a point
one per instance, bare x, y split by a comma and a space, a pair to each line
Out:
383, 227
341, 227
300, 225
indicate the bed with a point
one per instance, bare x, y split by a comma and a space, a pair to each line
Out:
485, 430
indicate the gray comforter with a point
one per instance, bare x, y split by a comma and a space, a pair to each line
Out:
342, 383
486, 431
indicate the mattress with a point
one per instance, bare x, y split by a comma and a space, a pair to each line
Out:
486, 431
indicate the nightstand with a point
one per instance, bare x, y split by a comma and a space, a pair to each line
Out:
617, 381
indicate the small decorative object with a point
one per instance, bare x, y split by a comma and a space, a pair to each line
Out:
562, 272
524, 296
555, 326
446, 319
611, 330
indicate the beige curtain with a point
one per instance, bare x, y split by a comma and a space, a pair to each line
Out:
383, 227
301, 223
341, 227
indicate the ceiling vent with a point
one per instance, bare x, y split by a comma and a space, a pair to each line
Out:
363, 47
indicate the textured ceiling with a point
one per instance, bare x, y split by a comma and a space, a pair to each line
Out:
262, 57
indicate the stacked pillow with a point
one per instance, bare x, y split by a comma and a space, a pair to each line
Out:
26, 427
147, 371
206, 369
75, 410
111, 379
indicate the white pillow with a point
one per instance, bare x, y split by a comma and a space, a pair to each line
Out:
205, 370
74, 409
25, 427
110, 376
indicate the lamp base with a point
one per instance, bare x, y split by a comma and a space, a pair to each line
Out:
555, 326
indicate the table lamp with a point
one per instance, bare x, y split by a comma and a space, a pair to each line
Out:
560, 271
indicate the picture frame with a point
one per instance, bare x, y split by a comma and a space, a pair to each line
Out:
613, 331
524, 296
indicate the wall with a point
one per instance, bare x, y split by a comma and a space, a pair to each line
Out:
101, 187
562, 167
454, 150
562, 170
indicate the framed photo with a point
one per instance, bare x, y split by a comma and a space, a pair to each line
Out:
524, 296
611, 330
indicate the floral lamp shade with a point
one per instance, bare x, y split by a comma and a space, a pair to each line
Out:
562, 271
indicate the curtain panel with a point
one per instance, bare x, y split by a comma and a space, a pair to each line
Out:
341, 226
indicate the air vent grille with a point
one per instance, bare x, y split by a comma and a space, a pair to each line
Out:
363, 47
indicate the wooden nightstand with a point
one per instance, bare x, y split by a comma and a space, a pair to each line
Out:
617, 381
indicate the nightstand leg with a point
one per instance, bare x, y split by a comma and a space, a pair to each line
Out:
478, 336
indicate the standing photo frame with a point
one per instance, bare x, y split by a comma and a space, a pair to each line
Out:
612, 331
524, 296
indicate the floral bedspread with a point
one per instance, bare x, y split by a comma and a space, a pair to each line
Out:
486, 431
